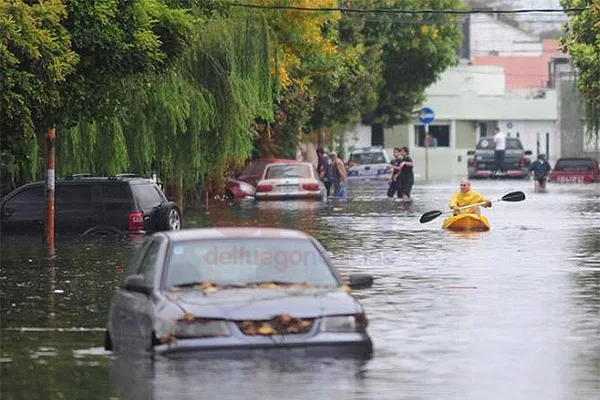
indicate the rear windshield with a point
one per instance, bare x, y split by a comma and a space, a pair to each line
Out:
287, 171
511, 144
147, 195
574, 165
368, 158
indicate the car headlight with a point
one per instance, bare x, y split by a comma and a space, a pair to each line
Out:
200, 328
246, 188
344, 323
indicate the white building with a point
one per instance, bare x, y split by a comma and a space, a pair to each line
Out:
469, 101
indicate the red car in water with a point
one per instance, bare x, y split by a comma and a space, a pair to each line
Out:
575, 170
244, 184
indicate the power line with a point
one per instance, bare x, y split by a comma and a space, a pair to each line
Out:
412, 12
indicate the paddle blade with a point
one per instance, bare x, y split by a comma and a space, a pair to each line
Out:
430, 216
514, 196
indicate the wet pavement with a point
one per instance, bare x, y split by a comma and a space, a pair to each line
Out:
509, 313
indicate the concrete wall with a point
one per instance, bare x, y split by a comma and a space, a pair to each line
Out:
574, 142
482, 80
489, 34
397, 136
439, 163
466, 134
531, 131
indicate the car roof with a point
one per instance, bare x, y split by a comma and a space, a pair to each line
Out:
367, 149
298, 162
233, 233
277, 160
576, 159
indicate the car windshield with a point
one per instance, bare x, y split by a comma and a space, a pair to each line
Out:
368, 158
574, 165
511, 144
249, 261
281, 171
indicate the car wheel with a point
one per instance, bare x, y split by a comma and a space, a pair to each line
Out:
228, 196
169, 217
108, 344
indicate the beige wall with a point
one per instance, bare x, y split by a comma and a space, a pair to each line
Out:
466, 135
397, 136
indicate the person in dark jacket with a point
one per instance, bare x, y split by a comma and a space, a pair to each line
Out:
540, 169
404, 172
325, 169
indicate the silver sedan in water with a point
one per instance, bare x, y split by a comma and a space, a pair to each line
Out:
224, 290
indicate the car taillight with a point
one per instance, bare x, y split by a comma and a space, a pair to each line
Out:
310, 186
136, 221
522, 162
264, 188
587, 179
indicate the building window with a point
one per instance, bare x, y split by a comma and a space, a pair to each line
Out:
377, 135
439, 132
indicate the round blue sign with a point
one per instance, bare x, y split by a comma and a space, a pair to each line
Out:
426, 116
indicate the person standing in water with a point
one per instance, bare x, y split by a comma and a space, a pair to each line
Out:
540, 169
404, 173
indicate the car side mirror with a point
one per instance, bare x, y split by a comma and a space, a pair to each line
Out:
528, 152
136, 283
470, 152
360, 281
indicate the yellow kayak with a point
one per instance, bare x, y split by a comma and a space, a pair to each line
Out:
467, 222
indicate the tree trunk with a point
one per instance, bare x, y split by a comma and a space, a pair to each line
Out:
179, 193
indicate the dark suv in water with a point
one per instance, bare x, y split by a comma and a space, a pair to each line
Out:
481, 162
89, 205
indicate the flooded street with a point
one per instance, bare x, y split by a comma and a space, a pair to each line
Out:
509, 313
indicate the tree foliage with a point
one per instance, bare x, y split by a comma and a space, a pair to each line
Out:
416, 49
185, 87
582, 42
35, 59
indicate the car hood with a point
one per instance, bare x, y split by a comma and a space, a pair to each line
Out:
263, 303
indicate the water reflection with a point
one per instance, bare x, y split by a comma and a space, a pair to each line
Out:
264, 377
509, 313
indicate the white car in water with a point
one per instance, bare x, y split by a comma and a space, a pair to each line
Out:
283, 181
369, 162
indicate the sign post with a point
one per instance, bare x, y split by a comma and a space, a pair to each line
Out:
426, 116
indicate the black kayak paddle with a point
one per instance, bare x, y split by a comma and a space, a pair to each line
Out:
510, 197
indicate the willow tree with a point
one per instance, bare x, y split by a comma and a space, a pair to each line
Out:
192, 122
65, 62
35, 58
308, 62
582, 41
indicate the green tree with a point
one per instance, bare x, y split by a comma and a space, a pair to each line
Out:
416, 48
35, 59
582, 42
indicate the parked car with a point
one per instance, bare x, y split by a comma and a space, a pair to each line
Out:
575, 170
244, 184
284, 181
91, 205
481, 162
368, 162
236, 289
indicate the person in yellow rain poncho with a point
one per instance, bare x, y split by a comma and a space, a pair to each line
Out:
466, 197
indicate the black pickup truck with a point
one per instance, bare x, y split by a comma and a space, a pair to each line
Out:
481, 162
